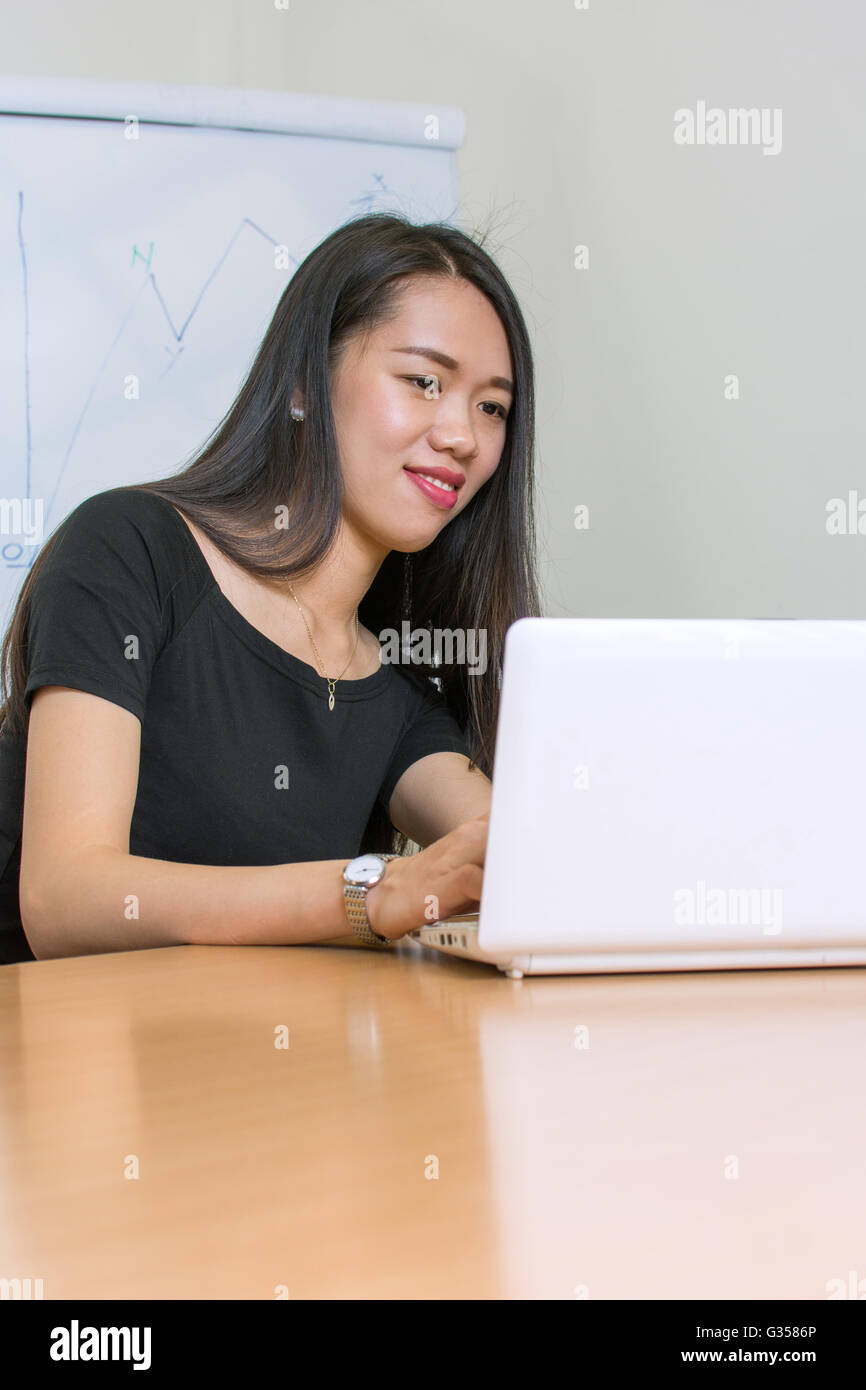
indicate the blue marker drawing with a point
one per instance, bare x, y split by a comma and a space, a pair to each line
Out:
370, 198
23, 251
150, 281
136, 255
12, 553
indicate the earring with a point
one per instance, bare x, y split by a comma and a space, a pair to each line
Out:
297, 412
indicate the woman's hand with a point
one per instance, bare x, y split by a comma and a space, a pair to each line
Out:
440, 881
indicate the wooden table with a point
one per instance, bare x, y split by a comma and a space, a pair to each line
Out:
612, 1137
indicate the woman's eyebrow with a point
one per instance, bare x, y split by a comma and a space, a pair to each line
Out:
445, 361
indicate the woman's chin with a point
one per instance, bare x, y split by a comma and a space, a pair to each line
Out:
410, 542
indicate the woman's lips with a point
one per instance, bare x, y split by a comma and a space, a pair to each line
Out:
436, 494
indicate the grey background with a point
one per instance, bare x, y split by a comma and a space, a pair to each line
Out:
704, 261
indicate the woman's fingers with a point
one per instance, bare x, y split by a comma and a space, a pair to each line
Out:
440, 881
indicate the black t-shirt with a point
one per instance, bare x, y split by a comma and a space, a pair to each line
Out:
242, 762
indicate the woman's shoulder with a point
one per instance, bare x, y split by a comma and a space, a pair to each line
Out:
123, 548
123, 535
128, 502
121, 524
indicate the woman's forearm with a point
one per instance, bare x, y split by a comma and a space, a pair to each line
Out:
111, 901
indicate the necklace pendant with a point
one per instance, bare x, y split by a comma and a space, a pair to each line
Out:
331, 696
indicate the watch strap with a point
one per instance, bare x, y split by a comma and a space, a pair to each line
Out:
355, 897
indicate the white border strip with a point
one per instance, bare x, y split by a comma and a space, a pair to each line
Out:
235, 108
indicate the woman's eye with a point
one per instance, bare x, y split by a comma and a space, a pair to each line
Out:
429, 383
432, 388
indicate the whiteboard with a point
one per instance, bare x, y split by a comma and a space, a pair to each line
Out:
147, 234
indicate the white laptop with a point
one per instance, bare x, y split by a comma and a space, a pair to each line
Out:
674, 794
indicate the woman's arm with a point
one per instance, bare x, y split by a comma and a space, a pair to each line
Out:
80, 890
436, 794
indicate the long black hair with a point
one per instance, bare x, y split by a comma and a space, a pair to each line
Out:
480, 571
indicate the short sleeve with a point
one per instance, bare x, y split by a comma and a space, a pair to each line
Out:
431, 728
96, 617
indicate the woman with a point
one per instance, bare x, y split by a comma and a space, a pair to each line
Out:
193, 670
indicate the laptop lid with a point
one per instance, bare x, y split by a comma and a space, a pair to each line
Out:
678, 784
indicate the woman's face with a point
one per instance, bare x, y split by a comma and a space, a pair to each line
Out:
396, 409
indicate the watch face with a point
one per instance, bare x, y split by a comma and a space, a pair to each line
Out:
366, 869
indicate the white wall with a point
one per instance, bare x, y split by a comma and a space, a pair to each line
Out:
703, 260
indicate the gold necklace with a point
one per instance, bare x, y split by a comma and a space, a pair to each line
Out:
332, 680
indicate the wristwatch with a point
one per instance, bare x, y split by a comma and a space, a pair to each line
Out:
359, 876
